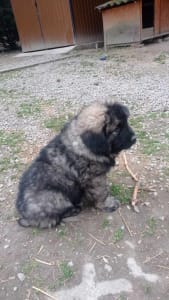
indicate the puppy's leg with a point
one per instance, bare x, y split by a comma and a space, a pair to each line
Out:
44, 209
98, 194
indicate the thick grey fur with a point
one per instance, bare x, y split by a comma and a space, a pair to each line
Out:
72, 168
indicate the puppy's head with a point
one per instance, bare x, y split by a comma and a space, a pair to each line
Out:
107, 131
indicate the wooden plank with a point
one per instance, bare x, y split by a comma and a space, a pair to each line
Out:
157, 17
164, 16
28, 25
122, 24
87, 21
56, 23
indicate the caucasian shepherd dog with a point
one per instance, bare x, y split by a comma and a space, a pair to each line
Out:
72, 168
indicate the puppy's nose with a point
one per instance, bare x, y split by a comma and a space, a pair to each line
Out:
133, 139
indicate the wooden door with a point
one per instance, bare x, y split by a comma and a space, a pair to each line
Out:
164, 16
56, 22
43, 24
28, 26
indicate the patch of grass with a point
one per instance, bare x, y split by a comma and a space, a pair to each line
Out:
66, 272
5, 164
166, 171
148, 289
57, 123
11, 139
85, 63
137, 122
151, 226
167, 135
35, 231
161, 58
118, 235
28, 109
106, 223
62, 232
53, 286
153, 115
8, 163
151, 146
29, 267
122, 297
122, 193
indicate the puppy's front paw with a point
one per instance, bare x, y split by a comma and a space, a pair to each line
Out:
111, 204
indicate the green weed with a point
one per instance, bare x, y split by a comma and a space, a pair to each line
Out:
106, 223
118, 235
29, 267
12, 139
122, 193
66, 272
57, 123
161, 58
151, 226
28, 109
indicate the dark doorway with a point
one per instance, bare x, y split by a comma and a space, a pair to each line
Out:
8, 32
147, 13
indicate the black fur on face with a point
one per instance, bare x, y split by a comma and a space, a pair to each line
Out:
116, 134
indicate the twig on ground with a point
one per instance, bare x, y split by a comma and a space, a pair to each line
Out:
153, 257
91, 249
43, 292
134, 197
137, 184
6, 280
28, 295
41, 248
162, 267
44, 262
97, 240
133, 176
125, 223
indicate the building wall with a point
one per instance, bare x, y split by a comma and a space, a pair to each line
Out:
46, 24
87, 20
122, 24
43, 24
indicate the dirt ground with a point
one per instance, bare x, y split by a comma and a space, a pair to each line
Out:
118, 256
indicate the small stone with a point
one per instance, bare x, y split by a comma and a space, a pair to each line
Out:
15, 288
21, 276
6, 246
70, 263
108, 267
105, 260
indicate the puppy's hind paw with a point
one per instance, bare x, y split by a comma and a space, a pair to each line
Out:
23, 222
111, 204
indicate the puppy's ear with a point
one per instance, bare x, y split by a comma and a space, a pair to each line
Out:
111, 123
96, 142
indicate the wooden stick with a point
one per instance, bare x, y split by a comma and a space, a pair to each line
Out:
135, 192
125, 223
97, 240
153, 257
41, 248
133, 176
44, 262
162, 267
43, 292
91, 249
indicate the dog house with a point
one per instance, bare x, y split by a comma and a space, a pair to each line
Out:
132, 21
46, 24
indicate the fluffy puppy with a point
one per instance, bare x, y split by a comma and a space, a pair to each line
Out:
72, 167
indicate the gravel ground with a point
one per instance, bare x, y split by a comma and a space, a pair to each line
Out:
29, 99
